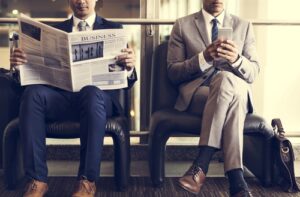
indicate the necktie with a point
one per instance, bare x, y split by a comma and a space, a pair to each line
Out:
214, 30
82, 26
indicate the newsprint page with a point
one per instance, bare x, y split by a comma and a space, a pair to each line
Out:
71, 61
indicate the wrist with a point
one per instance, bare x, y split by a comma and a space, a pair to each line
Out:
236, 59
207, 57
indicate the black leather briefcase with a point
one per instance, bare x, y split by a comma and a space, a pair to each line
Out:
284, 173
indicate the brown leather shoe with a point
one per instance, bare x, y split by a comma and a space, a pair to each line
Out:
36, 189
243, 193
192, 180
84, 188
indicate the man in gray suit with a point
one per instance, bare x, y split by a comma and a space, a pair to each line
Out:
213, 77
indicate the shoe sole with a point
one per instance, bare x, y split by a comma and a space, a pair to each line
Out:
186, 189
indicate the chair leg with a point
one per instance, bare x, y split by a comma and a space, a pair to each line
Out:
122, 159
157, 146
12, 156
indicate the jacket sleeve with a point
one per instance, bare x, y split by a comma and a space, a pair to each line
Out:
132, 79
249, 68
181, 68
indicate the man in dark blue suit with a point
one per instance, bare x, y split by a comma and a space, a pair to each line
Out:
91, 106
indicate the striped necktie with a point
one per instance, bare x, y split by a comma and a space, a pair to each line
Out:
214, 30
82, 26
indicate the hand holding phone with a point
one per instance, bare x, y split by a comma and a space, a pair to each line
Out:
225, 33
227, 49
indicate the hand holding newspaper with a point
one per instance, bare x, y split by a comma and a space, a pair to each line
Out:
71, 61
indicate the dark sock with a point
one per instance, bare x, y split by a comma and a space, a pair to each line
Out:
236, 181
204, 157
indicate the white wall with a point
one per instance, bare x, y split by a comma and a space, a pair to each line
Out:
276, 91
282, 91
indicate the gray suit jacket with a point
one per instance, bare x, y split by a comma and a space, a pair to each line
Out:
189, 38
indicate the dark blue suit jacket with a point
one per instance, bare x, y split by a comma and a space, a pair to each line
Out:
101, 23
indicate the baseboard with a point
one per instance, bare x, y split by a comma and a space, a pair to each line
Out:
138, 152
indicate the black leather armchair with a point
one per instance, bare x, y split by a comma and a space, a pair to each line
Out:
116, 127
9, 103
166, 121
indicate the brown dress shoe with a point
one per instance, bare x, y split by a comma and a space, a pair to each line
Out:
36, 189
192, 180
85, 188
243, 193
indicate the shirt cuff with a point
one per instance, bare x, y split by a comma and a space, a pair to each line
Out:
238, 62
129, 72
203, 64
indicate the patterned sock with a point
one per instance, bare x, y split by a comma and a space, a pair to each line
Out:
236, 181
204, 157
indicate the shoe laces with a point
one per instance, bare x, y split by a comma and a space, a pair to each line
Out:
247, 193
33, 186
194, 170
87, 186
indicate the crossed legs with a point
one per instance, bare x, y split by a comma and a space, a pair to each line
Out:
222, 128
223, 117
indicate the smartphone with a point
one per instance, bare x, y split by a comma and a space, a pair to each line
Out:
225, 33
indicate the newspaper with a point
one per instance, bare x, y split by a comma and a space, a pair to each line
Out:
71, 61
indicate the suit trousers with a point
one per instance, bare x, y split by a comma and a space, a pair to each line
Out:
223, 106
41, 104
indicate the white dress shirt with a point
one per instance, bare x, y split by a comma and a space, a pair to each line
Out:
89, 20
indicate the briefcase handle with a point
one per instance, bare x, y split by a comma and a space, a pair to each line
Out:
277, 127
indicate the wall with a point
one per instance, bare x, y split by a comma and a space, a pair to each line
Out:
4, 57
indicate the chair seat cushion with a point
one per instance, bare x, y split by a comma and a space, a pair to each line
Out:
176, 122
71, 129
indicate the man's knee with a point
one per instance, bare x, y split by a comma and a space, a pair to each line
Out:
224, 76
34, 92
91, 96
223, 81
229, 83
91, 92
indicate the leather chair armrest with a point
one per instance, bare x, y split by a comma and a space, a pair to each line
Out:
256, 125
